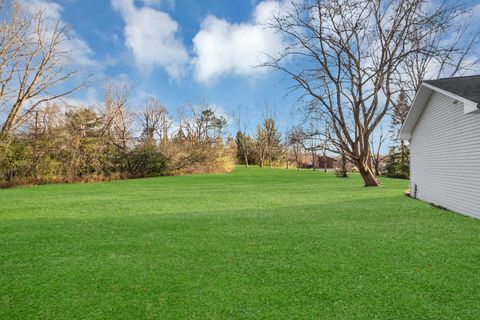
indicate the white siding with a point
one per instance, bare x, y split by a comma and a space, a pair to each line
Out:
445, 156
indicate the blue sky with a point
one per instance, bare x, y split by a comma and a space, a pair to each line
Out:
180, 52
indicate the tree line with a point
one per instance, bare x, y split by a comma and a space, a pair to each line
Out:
64, 143
356, 63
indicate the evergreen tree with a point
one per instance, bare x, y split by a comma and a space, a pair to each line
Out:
245, 149
399, 155
394, 168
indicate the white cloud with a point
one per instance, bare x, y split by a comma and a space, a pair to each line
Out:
152, 36
224, 48
79, 52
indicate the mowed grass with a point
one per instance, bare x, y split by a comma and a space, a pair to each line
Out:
252, 244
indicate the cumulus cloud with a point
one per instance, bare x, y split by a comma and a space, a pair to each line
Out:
221, 47
79, 52
152, 36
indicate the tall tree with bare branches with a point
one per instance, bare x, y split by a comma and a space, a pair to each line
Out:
116, 119
34, 66
351, 52
296, 142
155, 121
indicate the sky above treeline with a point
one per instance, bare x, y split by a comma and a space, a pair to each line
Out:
180, 52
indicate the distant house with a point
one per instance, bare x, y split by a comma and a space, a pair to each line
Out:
443, 128
320, 162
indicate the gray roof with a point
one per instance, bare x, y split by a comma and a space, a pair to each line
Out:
465, 87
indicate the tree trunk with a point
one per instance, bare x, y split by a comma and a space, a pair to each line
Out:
344, 166
246, 158
324, 160
367, 174
10, 121
376, 164
313, 160
402, 151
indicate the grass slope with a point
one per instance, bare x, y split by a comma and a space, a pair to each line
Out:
252, 244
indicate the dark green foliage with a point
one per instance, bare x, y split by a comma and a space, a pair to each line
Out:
400, 111
245, 144
397, 162
147, 161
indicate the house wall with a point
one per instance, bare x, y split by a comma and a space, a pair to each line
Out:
445, 156
320, 163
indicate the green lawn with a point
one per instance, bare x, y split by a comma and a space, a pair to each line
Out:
252, 244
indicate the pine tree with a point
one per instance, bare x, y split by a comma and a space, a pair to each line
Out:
399, 153
245, 149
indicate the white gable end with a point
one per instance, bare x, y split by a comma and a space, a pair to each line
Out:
445, 155
422, 97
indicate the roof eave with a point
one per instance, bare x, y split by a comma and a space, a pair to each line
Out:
468, 105
420, 100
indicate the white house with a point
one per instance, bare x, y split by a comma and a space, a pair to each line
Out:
443, 128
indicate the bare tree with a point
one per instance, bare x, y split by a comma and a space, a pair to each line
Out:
116, 119
155, 121
351, 51
296, 141
34, 66
203, 125
448, 50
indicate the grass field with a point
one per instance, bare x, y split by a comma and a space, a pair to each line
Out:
252, 244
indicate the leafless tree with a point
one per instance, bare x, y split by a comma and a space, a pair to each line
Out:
296, 142
202, 124
34, 65
351, 51
448, 50
117, 120
155, 121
